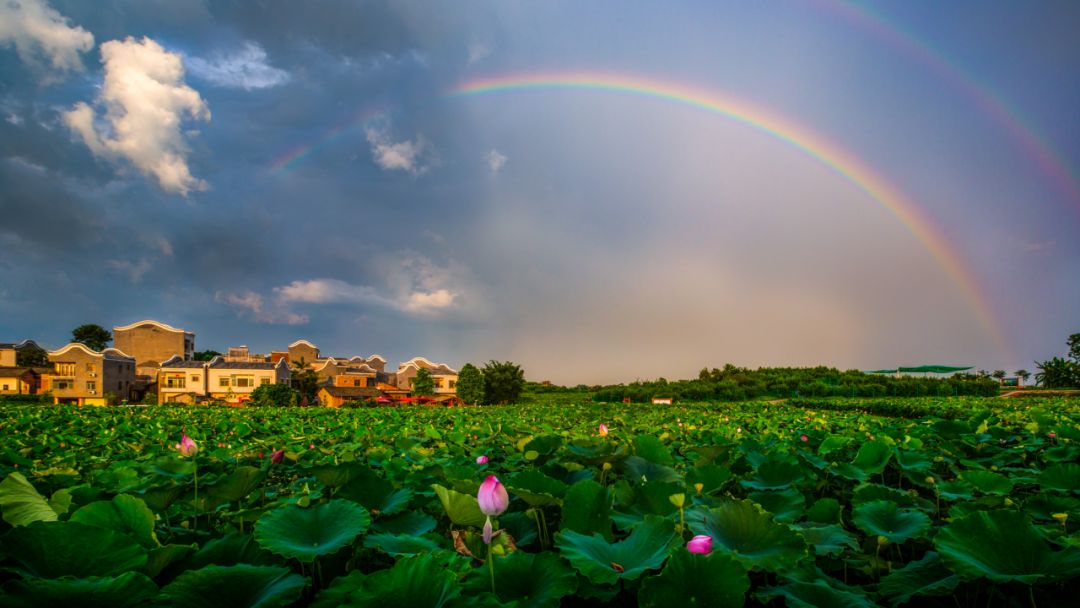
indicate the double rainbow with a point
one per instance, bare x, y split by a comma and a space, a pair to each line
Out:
842, 162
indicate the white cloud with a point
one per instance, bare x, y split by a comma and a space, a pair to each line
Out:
251, 305
495, 160
477, 51
421, 302
42, 37
145, 100
328, 291
134, 270
397, 156
244, 69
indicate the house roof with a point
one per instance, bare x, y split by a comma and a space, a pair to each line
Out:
178, 363
434, 368
159, 324
113, 354
14, 372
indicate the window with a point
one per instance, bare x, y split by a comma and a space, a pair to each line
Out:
89, 367
196, 378
244, 381
224, 382
356, 382
6, 387
174, 381
65, 369
264, 380
452, 383
63, 385
91, 385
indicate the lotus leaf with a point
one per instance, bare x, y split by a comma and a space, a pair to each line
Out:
602, 562
64, 548
741, 528
239, 586
128, 589
305, 534
716, 579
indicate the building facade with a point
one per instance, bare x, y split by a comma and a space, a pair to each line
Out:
234, 381
444, 377
83, 376
181, 381
151, 343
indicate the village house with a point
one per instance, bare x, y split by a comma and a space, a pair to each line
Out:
17, 375
234, 381
444, 377
152, 342
84, 376
182, 381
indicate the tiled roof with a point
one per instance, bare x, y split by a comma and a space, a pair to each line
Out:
242, 365
350, 391
13, 372
182, 364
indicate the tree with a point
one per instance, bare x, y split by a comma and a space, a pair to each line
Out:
1074, 348
999, 374
305, 380
1023, 374
470, 384
423, 385
93, 336
31, 357
1056, 373
503, 382
275, 395
206, 355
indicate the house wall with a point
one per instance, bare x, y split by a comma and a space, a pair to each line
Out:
240, 382
18, 385
7, 357
302, 351
151, 345
193, 382
84, 378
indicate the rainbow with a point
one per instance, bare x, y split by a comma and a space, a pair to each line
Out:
296, 156
1036, 148
845, 164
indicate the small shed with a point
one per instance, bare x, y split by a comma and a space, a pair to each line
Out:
662, 400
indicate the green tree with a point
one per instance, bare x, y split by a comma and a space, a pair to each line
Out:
999, 374
275, 395
205, 355
1074, 348
503, 382
30, 357
470, 384
93, 336
1023, 374
423, 385
305, 380
1057, 373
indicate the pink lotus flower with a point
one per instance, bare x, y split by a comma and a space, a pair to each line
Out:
493, 500
700, 544
311, 447
187, 447
603, 430
803, 437
277, 456
481, 459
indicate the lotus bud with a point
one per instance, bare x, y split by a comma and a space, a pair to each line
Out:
1008, 502
277, 456
678, 500
804, 438
930, 480
482, 459
699, 487
607, 466
1062, 517
492, 497
700, 544
882, 541
187, 447
603, 430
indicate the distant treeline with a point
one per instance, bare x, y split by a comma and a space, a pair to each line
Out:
739, 384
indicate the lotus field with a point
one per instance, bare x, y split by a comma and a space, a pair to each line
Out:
928, 502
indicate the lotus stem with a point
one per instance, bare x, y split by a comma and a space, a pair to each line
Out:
491, 569
195, 461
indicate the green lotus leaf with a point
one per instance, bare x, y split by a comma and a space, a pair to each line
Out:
410, 522
400, 545
690, 579
815, 595
21, 502
423, 580
927, 576
848, 471
1044, 506
125, 514
232, 549
337, 475
587, 509
305, 534
375, 493
64, 548
913, 461
233, 487
786, 506
639, 470
128, 589
833, 443
160, 558
884, 518
773, 475
462, 509
602, 562
711, 477
824, 511
1002, 546
1062, 477
956, 490
533, 580
651, 448
544, 444
829, 539
871, 492
988, 482
535, 488
873, 457
239, 586
741, 528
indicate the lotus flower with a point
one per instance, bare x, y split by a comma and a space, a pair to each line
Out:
803, 437
277, 456
481, 459
493, 501
700, 544
492, 497
603, 430
187, 447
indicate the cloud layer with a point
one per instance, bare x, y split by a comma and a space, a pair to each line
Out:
245, 69
42, 37
145, 102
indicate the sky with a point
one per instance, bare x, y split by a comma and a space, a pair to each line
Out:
600, 192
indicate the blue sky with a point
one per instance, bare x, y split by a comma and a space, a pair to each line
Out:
589, 236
